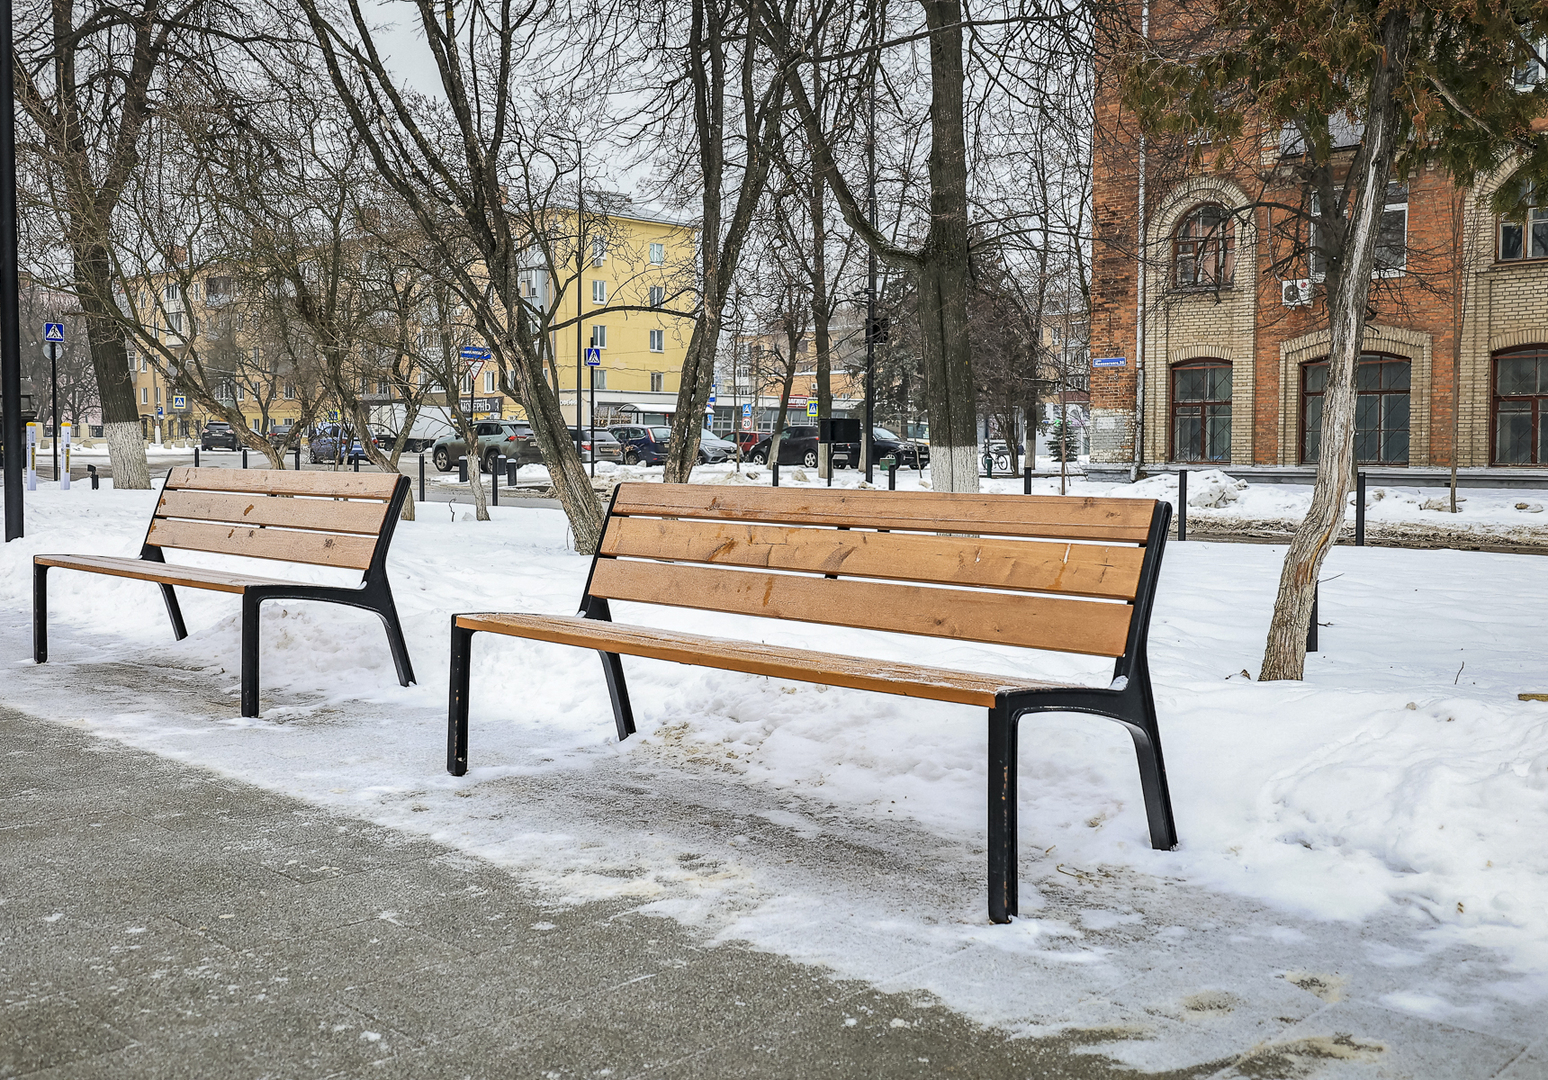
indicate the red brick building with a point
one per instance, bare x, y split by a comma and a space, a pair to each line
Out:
1211, 320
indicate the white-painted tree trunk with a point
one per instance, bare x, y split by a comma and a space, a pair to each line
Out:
126, 454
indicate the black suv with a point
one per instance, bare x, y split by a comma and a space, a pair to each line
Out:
799, 447
217, 435
910, 455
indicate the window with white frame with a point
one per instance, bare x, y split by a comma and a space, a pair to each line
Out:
173, 291
599, 292
658, 341
599, 337
657, 254
598, 251
1524, 232
657, 295
657, 381
290, 390
142, 363
241, 392
467, 383
600, 375
1392, 235
158, 395
1530, 73
144, 395
489, 382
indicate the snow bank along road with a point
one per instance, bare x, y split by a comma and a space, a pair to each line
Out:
1362, 882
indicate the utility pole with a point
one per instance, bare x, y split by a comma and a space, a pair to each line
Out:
10, 287
53, 374
867, 443
580, 282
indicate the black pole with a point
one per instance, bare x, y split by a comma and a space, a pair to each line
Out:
1026, 479
593, 422
1182, 504
867, 442
1359, 509
421, 477
775, 467
53, 377
244, 457
196, 456
10, 288
496, 468
298, 459
892, 475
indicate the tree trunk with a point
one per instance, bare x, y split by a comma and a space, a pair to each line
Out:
110, 362
1284, 657
943, 272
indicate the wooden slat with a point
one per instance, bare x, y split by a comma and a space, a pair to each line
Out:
332, 515
1052, 517
348, 485
859, 673
322, 549
1075, 569
195, 577
1040, 622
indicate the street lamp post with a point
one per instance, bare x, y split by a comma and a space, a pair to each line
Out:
10, 287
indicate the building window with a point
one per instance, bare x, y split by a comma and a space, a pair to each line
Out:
1201, 411
1528, 76
489, 382
1520, 404
599, 378
467, 383
241, 392
657, 295
383, 387
144, 395
158, 395
1392, 237
658, 341
657, 381
599, 292
657, 254
1204, 250
290, 390
1381, 410
1524, 234
599, 337
598, 251
172, 292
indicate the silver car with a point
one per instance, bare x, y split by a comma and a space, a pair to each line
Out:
713, 449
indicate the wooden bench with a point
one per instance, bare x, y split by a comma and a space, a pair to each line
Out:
322, 518
1063, 574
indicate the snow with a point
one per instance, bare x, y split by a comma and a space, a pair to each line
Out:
1397, 796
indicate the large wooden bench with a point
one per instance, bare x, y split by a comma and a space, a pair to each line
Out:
322, 518
1064, 574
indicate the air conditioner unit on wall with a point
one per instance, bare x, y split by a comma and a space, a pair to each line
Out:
1297, 293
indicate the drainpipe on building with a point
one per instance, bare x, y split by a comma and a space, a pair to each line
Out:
1139, 313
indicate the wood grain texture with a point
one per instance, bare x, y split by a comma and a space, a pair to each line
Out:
349, 485
287, 545
1040, 622
1050, 517
1036, 566
859, 673
194, 577
331, 515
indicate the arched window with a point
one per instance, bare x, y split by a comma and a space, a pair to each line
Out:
1524, 231
1201, 411
1204, 249
1520, 405
1381, 409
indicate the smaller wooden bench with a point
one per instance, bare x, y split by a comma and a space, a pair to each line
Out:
322, 518
1061, 574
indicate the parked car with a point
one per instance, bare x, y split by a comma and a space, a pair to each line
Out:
278, 435
713, 449
642, 445
217, 435
748, 439
596, 444
496, 438
910, 455
798, 446
337, 442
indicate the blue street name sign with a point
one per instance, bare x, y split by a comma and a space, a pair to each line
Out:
53, 331
1110, 361
593, 356
475, 352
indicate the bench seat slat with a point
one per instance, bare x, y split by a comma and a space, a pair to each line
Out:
1076, 569
285, 545
194, 577
285, 482
1041, 622
859, 673
330, 515
1053, 517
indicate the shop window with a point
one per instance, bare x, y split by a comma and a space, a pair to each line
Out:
1201, 411
1520, 401
1381, 409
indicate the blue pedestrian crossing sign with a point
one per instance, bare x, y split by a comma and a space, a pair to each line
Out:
593, 356
811, 408
53, 331
747, 411
179, 401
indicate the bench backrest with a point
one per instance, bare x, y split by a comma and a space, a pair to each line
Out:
1067, 574
326, 518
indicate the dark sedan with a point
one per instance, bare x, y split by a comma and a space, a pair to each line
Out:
798, 446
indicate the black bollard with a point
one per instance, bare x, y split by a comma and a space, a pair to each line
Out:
775, 467
462, 469
1182, 504
91, 470
357, 461
421, 477
1026, 480
1359, 509
1311, 631
244, 457
512, 467
494, 480
298, 459
989, 465
196, 457
892, 475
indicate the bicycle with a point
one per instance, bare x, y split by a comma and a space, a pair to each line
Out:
996, 457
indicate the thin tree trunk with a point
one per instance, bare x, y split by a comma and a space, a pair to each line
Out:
110, 363
1284, 656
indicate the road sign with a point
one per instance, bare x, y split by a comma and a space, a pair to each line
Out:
475, 352
811, 408
747, 411
333, 414
180, 401
1110, 361
53, 331
593, 356
159, 413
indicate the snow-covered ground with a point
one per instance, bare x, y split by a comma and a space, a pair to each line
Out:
1390, 809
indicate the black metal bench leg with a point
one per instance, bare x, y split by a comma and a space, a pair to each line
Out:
250, 654
39, 614
618, 691
457, 707
174, 612
1152, 770
1002, 813
400, 657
